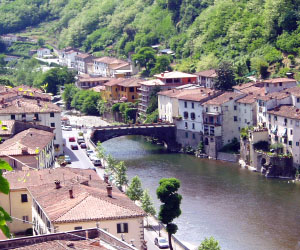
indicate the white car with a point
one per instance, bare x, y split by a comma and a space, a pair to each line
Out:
67, 128
89, 152
95, 160
161, 242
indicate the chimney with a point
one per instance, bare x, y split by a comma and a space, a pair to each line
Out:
71, 193
90, 177
109, 190
38, 102
24, 150
57, 184
19, 104
106, 178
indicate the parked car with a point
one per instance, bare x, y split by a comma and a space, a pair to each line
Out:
68, 159
89, 152
71, 139
83, 145
95, 160
161, 242
74, 147
80, 139
67, 128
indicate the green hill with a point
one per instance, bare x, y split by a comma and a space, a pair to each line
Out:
250, 33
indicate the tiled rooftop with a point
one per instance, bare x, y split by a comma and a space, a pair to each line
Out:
279, 80
295, 91
109, 60
286, 111
275, 95
153, 82
25, 105
223, 98
28, 140
207, 73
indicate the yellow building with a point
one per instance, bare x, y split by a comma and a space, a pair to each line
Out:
122, 89
18, 203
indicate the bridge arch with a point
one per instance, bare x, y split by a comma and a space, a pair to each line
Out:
164, 132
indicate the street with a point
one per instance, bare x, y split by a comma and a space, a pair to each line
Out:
80, 160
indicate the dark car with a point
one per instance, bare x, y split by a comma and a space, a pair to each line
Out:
71, 139
74, 147
83, 145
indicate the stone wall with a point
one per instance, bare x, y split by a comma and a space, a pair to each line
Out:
228, 157
188, 138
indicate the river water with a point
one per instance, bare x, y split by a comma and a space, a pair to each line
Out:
241, 209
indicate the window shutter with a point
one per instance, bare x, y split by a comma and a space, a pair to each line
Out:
125, 227
118, 228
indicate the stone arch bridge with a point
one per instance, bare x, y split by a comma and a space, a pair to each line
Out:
165, 132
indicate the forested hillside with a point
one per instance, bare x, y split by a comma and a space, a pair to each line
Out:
249, 33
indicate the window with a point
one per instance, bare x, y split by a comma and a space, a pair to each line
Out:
193, 116
194, 137
51, 114
235, 107
122, 228
193, 105
186, 115
185, 104
12, 117
297, 143
297, 123
77, 228
290, 143
275, 118
298, 99
131, 89
291, 132
217, 108
23, 116
235, 118
193, 126
285, 121
268, 84
52, 125
186, 135
280, 84
291, 122
24, 198
206, 109
186, 125
25, 219
36, 117
132, 97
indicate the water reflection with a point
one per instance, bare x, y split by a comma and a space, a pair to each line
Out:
243, 210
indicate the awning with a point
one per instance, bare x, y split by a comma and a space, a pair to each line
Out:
275, 129
284, 132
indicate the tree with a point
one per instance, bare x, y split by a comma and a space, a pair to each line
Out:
2, 46
209, 244
225, 79
41, 42
68, 94
170, 209
100, 150
135, 190
120, 175
145, 57
89, 105
4, 188
153, 103
147, 204
162, 64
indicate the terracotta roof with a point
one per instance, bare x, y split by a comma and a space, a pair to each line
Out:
198, 95
295, 91
7, 127
89, 203
223, 98
248, 99
130, 82
29, 140
63, 245
118, 66
44, 176
244, 86
99, 88
278, 80
24, 106
40, 49
252, 89
83, 55
153, 82
113, 82
109, 60
286, 111
207, 73
174, 74
275, 95
93, 79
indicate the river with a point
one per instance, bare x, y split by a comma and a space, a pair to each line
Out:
241, 209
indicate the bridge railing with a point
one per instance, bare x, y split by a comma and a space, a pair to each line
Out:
136, 125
